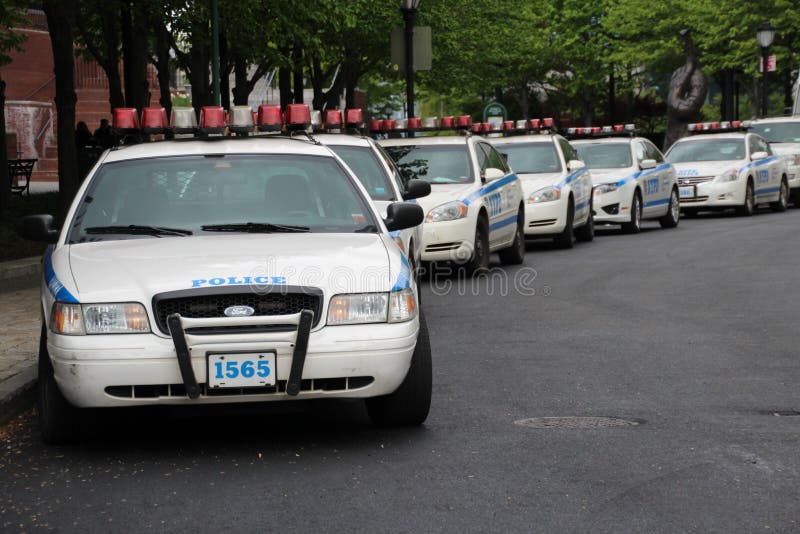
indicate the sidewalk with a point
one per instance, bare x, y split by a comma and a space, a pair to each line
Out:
19, 348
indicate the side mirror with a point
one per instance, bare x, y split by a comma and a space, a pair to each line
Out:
401, 215
648, 164
575, 164
758, 155
417, 189
491, 174
38, 228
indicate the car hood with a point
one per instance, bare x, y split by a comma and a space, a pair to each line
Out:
785, 148
532, 182
136, 269
441, 194
606, 176
691, 169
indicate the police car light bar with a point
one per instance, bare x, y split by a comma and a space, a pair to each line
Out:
241, 120
154, 120
333, 119
270, 118
212, 120
183, 120
616, 130
354, 118
125, 121
717, 127
298, 117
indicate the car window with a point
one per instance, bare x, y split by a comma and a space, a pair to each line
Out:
752, 142
368, 169
778, 132
397, 176
652, 152
437, 164
762, 145
534, 157
483, 158
493, 158
567, 149
725, 149
605, 155
189, 192
638, 149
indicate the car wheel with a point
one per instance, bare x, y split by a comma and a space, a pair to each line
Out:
515, 254
586, 232
410, 403
783, 198
57, 417
749, 205
566, 238
673, 216
634, 226
479, 262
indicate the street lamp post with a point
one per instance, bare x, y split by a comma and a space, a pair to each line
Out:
765, 34
409, 9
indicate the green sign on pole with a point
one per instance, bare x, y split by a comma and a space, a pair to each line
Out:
494, 109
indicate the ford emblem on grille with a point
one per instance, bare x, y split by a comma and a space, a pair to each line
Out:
239, 311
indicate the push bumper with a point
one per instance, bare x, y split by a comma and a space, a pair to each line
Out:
352, 361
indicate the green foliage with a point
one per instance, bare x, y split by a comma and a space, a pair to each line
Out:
11, 15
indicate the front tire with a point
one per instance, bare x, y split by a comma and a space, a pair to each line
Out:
634, 226
749, 206
566, 238
57, 417
783, 198
673, 216
479, 263
410, 403
515, 254
586, 232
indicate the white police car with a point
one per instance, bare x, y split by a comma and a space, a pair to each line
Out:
728, 169
383, 181
783, 136
557, 186
632, 181
226, 271
475, 206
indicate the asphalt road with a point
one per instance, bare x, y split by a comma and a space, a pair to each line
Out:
689, 336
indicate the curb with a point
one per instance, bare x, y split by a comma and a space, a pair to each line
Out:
18, 392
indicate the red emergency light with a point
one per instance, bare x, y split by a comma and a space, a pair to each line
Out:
269, 118
535, 124
298, 116
508, 125
375, 125
547, 122
447, 122
354, 118
333, 119
618, 128
388, 124
124, 120
464, 121
414, 123
212, 119
154, 120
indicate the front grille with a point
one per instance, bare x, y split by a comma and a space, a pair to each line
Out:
689, 200
694, 180
211, 302
178, 391
442, 247
542, 222
611, 209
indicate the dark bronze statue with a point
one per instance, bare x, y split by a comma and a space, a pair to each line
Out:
687, 92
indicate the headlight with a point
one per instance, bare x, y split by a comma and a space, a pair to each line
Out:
358, 308
80, 319
604, 188
402, 305
363, 308
546, 194
447, 212
728, 176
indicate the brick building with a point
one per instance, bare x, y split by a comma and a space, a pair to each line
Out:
30, 98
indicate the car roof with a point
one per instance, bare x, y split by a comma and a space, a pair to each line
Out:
729, 135
342, 139
530, 138
227, 145
605, 140
767, 120
427, 140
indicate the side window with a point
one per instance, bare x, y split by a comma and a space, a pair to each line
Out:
566, 148
653, 153
483, 158
752, 144
763, 146
638, 150
397, 176
494, 159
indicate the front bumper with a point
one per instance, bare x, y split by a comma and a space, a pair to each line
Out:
716, 195
448, 240
354, 361
793, 175
546, 218
613, 207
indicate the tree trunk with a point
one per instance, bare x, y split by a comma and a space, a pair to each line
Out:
285, 85
134, 53
59, 25
162, 64
5, 180
297, 74
315, 71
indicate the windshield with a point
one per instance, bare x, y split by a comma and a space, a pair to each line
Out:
707, 150
531, 157
437, 164
173, 196
778, 132
368, 169
605, 155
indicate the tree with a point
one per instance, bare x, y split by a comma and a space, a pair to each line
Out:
11, 15
98, 23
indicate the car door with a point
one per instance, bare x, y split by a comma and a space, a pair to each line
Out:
765, 184
580, 181
665, 174
774, 166
498, 196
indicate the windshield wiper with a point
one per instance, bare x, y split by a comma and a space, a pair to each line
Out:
136, 229
256, 228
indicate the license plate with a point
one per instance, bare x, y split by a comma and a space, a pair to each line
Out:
241, 370
687, 191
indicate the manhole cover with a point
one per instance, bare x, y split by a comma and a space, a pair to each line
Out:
577, 422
